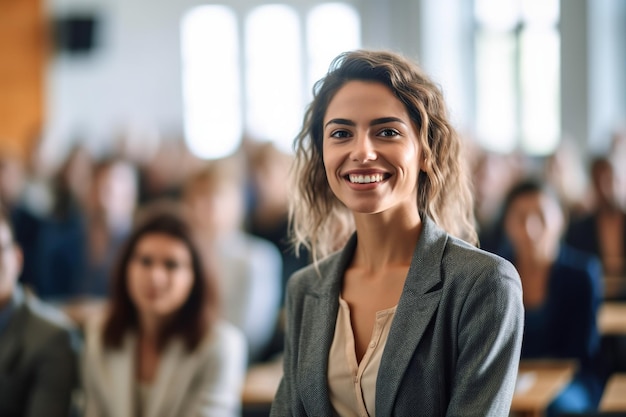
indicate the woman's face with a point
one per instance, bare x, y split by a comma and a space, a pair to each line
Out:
370, 149
533, 223
160, 275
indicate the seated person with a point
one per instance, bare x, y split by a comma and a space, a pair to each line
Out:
562, 292
38, 345
602, 232
249, 268
160, 349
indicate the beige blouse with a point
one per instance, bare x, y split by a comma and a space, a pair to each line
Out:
352, 386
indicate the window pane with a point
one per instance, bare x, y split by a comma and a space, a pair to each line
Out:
495, 91
497, 14
541, 12
274, 103
332, 28
211, 92
540, 115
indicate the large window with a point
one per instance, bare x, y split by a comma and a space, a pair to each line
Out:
259, 83
211, 81
517, 75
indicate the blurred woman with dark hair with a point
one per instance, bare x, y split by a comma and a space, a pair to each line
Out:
161, 350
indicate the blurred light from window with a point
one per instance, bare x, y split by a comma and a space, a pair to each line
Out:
540, 120
211, 81
495, 84
517, 75
273, 58
498, 15
332, 28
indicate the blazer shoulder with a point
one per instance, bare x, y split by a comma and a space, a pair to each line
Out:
224, 336
43, 322
461, 258
315, 275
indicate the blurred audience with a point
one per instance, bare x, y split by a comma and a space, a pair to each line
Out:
248, 267
26, 222
268, 217
160, 349
63, 246
493, 174
562, 291
603, 231
110, 209
565, 171
38, 345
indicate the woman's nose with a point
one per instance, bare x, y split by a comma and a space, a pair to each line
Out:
158, 275
363, 149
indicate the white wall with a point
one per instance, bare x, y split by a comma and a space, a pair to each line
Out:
133, 76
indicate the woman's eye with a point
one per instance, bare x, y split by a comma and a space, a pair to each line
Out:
171, 265
389, 133
145, 261
339, 134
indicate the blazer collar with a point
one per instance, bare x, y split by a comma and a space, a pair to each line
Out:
417, 305
119, 366
430, 246
175, 372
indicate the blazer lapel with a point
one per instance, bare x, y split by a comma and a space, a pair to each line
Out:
175, 372
11, 337
9, 352
320, 312
120, 367
416, 308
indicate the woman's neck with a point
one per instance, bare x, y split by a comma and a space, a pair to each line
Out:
150, 327
386, 239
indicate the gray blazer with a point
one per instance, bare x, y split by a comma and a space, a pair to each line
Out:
453, 347
38, 360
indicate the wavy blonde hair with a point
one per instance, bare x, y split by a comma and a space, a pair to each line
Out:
318, 220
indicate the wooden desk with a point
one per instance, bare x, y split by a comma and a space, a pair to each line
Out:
612, 318
614, 397
262, 383
547, 379
539, 382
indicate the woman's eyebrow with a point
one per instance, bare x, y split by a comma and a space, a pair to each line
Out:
379, 121
384, 120
340, 122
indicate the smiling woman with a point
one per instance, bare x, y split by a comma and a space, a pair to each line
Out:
405, 316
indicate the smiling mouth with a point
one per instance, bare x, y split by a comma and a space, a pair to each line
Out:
366, 179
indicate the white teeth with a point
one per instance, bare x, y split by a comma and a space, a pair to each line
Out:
365, 179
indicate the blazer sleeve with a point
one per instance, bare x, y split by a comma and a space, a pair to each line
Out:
489, 342
56, 377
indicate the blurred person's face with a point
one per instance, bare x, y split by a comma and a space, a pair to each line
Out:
608, 185
534, 223
159, 275
11, 180
216, 207
116, 191
10, 263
